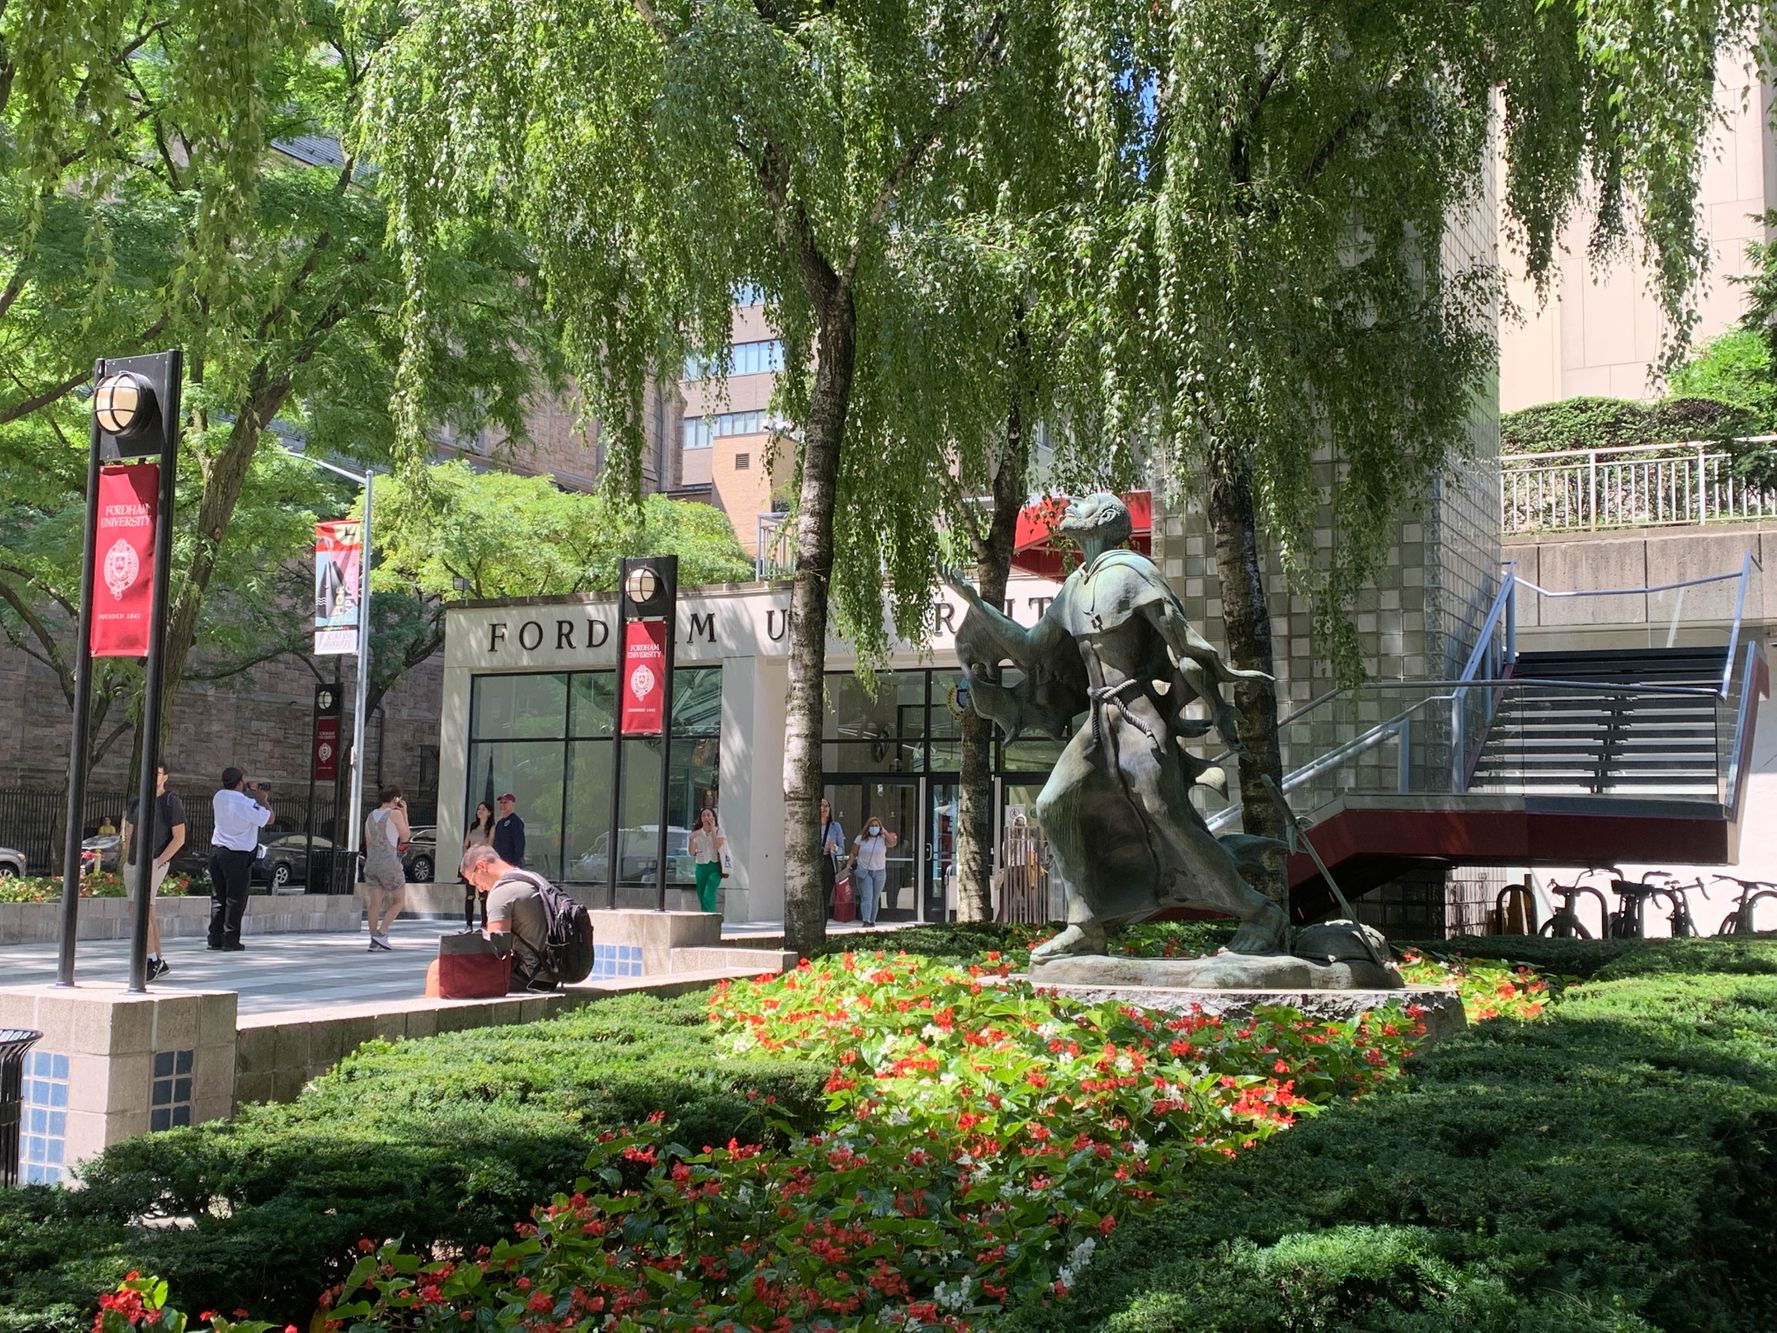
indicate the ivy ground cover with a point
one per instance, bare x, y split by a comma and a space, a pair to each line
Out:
982, 1140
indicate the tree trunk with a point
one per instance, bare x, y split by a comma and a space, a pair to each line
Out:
1247, 619
805, 914
974, 798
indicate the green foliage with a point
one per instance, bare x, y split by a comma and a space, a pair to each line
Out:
511, 536
1607, 1169
444, 1142
1609, 423
1734, 368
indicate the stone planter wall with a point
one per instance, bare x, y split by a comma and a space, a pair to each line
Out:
180, 918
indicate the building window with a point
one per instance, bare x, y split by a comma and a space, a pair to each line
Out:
754, 358
701, 432
547, 739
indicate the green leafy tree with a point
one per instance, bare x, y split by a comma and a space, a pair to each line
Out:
1736, 368
453, 533
170, 175
1273, 244
660, 157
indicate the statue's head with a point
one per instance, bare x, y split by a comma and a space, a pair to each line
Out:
1101, 515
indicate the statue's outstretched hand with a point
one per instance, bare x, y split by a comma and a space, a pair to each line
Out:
952, 576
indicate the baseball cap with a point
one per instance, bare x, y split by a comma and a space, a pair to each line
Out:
508, 796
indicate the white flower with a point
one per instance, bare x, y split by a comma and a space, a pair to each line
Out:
1077, 1261
932, 1032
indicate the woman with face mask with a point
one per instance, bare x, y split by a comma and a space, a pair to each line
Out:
870, 867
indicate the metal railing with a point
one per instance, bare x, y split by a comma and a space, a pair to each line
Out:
1630, 486
775, 556
1424, 736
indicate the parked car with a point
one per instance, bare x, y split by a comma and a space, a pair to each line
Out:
100, 852
12, 862
419, 859
286, 860
636, 863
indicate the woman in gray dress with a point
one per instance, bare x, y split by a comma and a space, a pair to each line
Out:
385, 880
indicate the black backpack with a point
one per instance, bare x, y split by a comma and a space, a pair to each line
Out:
567, 952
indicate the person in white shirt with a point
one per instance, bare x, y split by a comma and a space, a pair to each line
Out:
239, 817
870, 867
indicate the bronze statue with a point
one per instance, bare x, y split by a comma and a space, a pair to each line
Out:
1115, 645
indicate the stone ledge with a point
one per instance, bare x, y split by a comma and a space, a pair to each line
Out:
1443, 1016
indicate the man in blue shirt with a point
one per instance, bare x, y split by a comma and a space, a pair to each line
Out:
239, 817
509, 832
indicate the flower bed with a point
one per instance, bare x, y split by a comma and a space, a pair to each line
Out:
100, 884
980, 1141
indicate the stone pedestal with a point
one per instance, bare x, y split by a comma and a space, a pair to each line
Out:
1221, 971
112, 1065
1443, 1014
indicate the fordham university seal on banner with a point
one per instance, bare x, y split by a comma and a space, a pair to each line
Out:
122, 568
641, 682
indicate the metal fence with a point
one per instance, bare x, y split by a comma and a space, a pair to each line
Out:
776, 547
1635, 486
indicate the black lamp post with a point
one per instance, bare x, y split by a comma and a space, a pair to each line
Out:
135, 416
647, 591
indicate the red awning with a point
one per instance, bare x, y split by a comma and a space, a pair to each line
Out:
1037, 548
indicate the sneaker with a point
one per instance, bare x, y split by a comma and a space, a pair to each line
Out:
236, 947
381, 942
158, 967
371, 947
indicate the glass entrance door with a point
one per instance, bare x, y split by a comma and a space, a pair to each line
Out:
895, 800
940, 851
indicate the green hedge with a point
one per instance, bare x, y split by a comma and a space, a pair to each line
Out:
1601, 423
449, 1140
1609, 1169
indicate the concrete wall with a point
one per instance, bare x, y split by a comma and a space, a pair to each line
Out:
1600, 332
179, 918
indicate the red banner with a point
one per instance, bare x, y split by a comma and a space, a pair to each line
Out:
123, 552
339, 571
326, 758
644, 676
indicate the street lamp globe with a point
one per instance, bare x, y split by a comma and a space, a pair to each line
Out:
124, 404
641, 586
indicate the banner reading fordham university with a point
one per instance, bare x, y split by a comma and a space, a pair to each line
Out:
123, 549
339, 554
644, 677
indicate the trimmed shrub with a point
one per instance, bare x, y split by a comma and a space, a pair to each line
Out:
1604, 423
445, 1142
1610, 1169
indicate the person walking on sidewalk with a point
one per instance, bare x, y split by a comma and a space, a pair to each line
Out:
385, 881
832, 853
707, 844
167, 840
480, 834
509, 832
870, 867
239, 817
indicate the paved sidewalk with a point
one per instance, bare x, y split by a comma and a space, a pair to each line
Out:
275, 973
313, 969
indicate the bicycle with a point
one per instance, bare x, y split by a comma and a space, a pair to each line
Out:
1565, 924
1629, 921
1682, 924
1740, 920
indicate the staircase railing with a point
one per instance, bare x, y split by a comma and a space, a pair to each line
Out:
1439, 734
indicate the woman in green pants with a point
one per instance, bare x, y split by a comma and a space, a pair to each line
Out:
707, 843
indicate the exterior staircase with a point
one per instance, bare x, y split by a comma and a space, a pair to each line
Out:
1660, 740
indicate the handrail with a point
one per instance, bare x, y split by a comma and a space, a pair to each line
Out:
1747, 561
1507, 460
1633, 592
1748, 705
1501, 601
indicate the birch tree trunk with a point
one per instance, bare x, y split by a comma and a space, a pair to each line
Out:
1247, 619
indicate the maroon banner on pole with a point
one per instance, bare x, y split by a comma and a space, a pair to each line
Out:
644, 677
123, 550
326, 760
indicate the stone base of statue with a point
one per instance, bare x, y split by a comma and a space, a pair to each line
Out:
1234, 985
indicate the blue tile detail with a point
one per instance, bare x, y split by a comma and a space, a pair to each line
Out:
170, 1099
616, 960
44, 1118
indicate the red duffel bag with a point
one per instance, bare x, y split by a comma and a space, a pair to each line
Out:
472, 967
845, 903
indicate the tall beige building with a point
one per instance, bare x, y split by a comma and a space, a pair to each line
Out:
1599, 332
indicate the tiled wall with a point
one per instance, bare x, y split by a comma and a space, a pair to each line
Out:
616, 960
44, 1120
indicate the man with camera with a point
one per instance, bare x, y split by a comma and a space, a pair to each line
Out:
242, 809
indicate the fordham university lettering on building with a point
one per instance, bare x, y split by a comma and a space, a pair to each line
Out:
530, 694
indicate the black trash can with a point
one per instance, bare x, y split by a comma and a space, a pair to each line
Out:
15, 1043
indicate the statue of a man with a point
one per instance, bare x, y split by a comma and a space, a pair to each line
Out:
1115, 644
